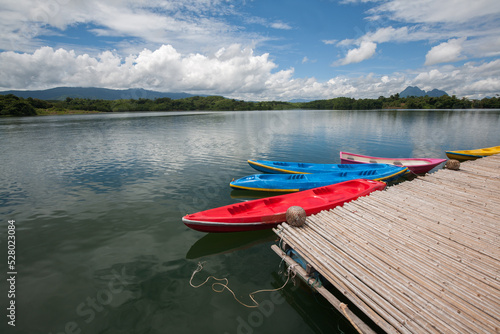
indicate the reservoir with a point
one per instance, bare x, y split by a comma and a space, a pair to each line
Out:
98, 199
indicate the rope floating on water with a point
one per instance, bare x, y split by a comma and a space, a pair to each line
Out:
220, 287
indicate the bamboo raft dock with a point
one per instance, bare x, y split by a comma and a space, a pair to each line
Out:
422, 256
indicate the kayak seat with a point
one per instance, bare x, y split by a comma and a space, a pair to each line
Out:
322, 191
272, 200
296, 177
237, 209
397, 163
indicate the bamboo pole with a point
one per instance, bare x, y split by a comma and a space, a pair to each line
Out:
413, 264
434, 225
345, 283
401, 289
339, 306
437, 242
454, 277
468, 329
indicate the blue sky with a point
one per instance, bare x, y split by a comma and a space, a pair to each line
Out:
254, 49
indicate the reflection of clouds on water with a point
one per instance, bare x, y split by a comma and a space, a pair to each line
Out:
434, 132
195, 155
427, 135
325, 133
318, 136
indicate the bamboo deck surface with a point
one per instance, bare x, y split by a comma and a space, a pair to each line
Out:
422, 256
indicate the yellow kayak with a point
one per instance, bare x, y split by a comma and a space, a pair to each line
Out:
473, 154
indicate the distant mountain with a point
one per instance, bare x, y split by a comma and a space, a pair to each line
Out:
61, 93
415, 91
299, 100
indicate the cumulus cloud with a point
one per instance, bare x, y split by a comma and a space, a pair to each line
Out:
365, 51
368, 43
472, 80
228, 71
446, 52
484, 87
235, 72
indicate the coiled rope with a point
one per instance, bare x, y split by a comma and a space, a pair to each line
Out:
220, 287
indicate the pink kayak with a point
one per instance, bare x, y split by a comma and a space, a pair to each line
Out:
416, 165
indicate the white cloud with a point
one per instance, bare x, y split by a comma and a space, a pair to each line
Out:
266, 23
390, 34
365, 51
235, 72
470, 80
188, 24
228, 71
387, 34
306, 60
484, 46
330, 41
470, 28
431, 11
280, 25
446, 52
485, 87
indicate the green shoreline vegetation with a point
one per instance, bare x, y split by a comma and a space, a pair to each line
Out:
11, 105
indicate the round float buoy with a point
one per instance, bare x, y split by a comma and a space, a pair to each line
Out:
452, 164
296, 216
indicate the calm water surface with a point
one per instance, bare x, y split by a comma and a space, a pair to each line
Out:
98, 199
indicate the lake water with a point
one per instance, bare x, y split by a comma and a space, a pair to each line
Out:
98, 199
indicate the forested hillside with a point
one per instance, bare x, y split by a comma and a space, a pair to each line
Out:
18, 106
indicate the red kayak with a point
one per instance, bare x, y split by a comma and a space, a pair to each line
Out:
265, 213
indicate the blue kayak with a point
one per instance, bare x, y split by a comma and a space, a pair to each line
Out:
299, 182
279, 167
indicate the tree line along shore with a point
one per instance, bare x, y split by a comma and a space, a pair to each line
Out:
11, 105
